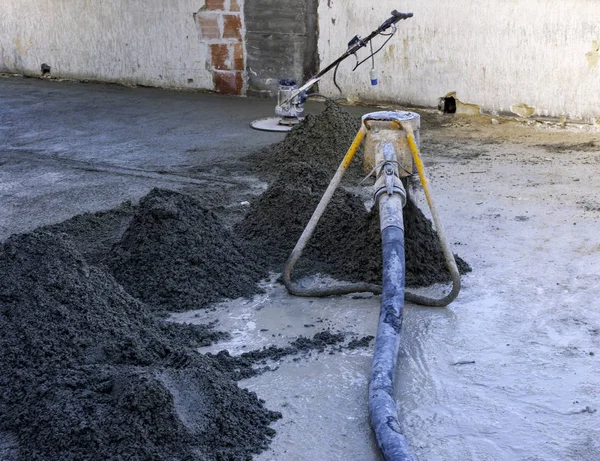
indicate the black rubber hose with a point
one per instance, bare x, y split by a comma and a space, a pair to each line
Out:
382, 406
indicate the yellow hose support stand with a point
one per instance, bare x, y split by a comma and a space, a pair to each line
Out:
448, 255
296, 290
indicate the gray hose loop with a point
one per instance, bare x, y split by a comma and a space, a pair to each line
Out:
319, 292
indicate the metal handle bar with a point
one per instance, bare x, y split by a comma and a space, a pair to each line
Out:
396, 17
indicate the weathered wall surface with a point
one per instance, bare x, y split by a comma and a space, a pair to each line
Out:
518, 56
529, 57
281, 41
176, 43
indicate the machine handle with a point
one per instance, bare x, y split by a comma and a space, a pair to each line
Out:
400, 16
396, 16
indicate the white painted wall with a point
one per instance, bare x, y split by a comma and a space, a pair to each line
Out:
493, 53
148, 42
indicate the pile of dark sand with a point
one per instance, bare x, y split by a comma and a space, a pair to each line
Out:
277, 218
346, 244
94, 234
176, 255
321, 139
425, 263
89, 373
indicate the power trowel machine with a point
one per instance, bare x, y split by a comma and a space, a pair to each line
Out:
391, 154
291, 98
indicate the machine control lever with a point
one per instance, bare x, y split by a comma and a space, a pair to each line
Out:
355, 44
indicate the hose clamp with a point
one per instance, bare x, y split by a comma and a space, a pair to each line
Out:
389, 185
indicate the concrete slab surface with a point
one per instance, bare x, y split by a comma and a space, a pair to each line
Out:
68, 147
509, 371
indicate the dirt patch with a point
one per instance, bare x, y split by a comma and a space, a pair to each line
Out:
90, 374
175, 255
360, 342
588, 146
449, 148
251, 363
589, 205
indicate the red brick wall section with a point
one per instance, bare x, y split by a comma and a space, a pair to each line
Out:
221, 26
218, 5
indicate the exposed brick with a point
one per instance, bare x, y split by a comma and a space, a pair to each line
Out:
215, 5
228, 82
232, 26
238, 56
235, 5
220, 57
209, 26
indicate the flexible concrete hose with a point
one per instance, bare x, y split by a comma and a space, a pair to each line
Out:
382, 405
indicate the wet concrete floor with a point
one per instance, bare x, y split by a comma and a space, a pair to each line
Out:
68, 148
508, 372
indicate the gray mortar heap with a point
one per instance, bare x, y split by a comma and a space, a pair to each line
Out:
90, 369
